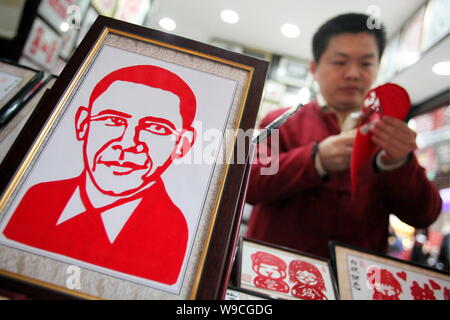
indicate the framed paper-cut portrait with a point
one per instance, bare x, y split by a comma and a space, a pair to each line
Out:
364, 275
122, 187
284, 273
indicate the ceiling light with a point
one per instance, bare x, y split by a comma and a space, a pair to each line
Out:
442, 68
64, 26
409, 58
229, 16
290, 30
167, 24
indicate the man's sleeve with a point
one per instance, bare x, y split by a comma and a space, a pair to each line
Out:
278, 173
412, 197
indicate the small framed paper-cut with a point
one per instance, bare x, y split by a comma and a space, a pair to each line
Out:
284, 273
365, 275
121, 185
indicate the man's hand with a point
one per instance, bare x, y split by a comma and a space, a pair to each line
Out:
395, 138
335, 152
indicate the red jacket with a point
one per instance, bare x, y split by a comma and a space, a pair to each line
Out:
151, 245
297, 209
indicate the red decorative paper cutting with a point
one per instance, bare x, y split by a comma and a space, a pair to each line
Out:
137, 122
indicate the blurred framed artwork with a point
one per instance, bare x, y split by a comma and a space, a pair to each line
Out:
115, 191
364, 275
16, 83
11, 130
134, 11
88, 20
43, 45
388, 64
105, 7
58, 13
409, 43
284, 273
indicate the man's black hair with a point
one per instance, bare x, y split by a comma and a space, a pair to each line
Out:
346, 23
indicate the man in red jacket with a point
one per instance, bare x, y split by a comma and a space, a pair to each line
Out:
308, 202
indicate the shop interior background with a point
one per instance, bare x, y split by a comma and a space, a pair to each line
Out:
280, 32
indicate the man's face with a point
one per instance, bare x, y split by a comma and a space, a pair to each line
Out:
347, 69
131, 132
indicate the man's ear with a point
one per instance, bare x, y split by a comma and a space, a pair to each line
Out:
81, 122
185, 143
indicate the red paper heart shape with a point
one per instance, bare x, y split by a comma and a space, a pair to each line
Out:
435, 285
402, 275
388, 99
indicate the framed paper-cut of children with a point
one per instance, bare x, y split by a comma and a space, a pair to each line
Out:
123, 179
284, 273
364, 275
17, 81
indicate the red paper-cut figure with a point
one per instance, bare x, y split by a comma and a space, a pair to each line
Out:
420, 293
385, 286
117, 214
271, 271
309, 284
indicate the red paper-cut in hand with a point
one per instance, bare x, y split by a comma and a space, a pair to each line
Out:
386, 100
270, 270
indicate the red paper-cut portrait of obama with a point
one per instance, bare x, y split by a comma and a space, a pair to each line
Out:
117, 214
